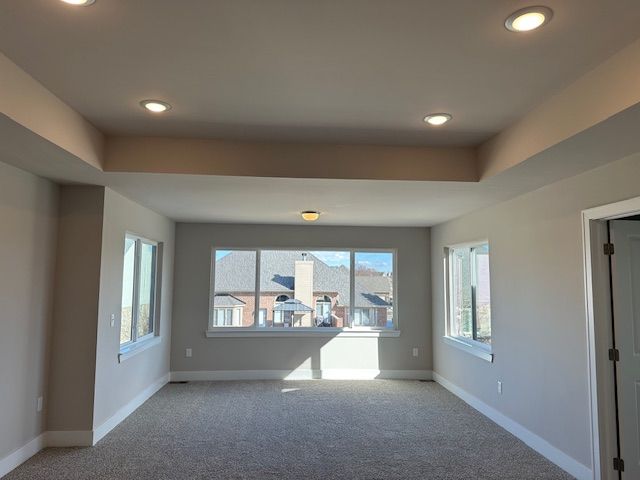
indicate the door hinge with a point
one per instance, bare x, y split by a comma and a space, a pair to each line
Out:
614, 354
609, 249
618, 464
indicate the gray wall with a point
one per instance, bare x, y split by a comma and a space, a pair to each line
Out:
191, 299
77, 280
539, 324
28, 214
118, 383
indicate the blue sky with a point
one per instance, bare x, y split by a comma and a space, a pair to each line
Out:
381, 261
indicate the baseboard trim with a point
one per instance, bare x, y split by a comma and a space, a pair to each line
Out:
99, 432
22, 454
299, 374
539, 444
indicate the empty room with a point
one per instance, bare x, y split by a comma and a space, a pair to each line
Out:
330, 239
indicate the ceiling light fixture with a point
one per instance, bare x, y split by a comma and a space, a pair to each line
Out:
528, 19
79, 3
310, 215
437, 119
155, 106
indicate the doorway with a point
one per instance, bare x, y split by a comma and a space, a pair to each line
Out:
612, 284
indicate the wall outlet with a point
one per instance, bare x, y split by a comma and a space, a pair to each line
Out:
415, 351
113, 320
499, 387
188, 353
39, 404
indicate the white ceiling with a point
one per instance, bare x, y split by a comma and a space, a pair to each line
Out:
302, 70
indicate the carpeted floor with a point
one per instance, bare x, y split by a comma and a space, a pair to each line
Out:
381, 429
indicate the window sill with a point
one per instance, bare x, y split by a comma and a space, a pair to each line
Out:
228, 332
133, 350
475, 350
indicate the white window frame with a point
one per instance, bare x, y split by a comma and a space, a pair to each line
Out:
140, 343
469, 345
256, 330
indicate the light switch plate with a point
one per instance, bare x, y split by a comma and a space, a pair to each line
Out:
188, 353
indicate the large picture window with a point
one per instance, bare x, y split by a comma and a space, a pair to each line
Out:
469, 294
291, 289
138, 314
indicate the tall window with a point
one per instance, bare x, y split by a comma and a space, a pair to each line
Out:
137, 319
303, 288
469, 295
234, 280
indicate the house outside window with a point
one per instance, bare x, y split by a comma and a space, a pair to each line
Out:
303, 288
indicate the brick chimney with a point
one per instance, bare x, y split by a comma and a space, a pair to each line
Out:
303, 289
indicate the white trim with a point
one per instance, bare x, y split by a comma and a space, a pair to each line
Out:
470, 348
601, 415
299, 374
128, 409
540, 445
135, 348
71, 438
230, 332
22, 454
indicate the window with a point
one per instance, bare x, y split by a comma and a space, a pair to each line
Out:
137, 319
234, 274
312, 289
469, 297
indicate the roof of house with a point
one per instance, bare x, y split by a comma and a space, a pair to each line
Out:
375, 283
226, 300
235, 272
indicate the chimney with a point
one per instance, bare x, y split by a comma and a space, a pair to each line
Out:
303, 289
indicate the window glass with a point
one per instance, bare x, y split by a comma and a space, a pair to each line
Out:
146, 290
235, 287
373, 289
126, 315
470, 293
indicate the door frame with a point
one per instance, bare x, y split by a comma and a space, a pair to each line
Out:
599, 332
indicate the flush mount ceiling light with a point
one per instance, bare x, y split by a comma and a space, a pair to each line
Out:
437, 119
310, 215
528, 19
155, 106
79, 3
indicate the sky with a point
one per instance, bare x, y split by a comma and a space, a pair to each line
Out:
380, 261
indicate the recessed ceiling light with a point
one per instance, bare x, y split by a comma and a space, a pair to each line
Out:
155, 106
437, 119
528, 19
80, 3
310, 216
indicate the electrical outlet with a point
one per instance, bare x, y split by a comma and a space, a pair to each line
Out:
415, 351
39, 405
499, 387
188, 353
113, 320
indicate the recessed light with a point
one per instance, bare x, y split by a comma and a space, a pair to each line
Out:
310, 215
528, 19
437, 119
155, 106
79, 3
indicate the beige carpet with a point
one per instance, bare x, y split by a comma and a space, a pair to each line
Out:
381, 429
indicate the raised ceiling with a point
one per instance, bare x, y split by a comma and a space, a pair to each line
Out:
361, 71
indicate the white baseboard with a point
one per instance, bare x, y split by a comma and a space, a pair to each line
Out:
77, 438
539, 444
300, 374
128, 409
22, 454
